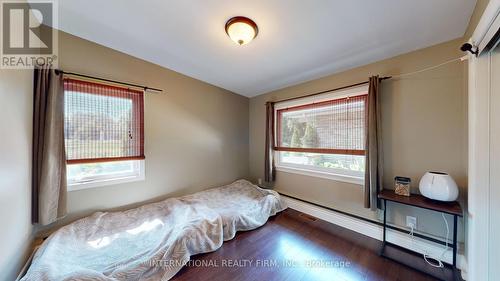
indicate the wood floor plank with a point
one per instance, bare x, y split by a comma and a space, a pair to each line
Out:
294, 247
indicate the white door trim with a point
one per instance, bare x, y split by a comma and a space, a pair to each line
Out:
480, 35
479, 185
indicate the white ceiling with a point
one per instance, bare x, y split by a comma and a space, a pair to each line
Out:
298, 40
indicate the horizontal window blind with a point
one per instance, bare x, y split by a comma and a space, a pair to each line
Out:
102, 123
335, 126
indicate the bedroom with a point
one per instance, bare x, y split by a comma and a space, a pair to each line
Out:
202, 97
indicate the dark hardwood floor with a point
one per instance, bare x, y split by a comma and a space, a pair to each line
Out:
294, 246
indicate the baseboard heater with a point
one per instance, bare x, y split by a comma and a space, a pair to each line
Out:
392, 227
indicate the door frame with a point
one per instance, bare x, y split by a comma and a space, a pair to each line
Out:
479, 113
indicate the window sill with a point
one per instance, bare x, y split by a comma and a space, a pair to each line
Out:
103, 182
318, 174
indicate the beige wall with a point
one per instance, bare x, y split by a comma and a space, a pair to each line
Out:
424, 125
196, 137
16, 88
196, 134
476, 16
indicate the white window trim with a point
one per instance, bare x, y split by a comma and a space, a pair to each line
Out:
318, 172
327, 173
109, 179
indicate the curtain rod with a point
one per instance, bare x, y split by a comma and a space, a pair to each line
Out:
59, 71
326, 91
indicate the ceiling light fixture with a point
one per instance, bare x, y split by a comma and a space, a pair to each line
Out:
241, 30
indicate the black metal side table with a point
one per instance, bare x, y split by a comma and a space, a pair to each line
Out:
419, 201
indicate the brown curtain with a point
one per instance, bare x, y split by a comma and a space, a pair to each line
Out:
373, 169
49, 159
269, 169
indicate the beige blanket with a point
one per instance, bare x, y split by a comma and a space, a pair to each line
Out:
154, 241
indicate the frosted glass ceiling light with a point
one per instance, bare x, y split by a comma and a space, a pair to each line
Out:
241, 30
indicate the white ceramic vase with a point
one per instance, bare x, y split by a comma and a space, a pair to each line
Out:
438, 186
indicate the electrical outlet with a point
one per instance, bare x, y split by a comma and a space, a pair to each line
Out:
411, 222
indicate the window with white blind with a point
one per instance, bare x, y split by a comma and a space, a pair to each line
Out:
104, 134
323, 135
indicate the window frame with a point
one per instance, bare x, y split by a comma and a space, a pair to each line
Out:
308, 170
138, 174
137, 107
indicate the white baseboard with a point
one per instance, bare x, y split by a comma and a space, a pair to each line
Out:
375, 231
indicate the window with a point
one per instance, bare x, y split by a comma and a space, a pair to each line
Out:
323, 135
104, 134
88, 175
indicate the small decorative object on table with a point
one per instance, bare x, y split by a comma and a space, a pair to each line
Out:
438, 186
402, 186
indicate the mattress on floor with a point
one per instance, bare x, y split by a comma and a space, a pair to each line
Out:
154, 241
